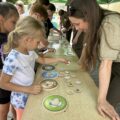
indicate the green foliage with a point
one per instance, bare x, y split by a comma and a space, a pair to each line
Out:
107, 1
64, 1
59, 1
12, 1
25, 1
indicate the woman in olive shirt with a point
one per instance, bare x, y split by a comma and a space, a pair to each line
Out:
101, 40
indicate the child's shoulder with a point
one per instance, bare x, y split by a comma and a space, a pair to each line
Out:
12, 56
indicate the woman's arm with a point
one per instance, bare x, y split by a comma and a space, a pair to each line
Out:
104, 78
104, 107
7, 85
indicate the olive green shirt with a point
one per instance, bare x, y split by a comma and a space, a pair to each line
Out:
110, 38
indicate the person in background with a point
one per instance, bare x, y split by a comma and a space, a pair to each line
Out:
62, 15
39, 13
101, 41
48, 25
44, 3
8, 18
65, 24
20, 7
51, 10
25, 38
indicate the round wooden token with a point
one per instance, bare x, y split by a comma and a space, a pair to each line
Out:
55, 103
49, 84
70, 92
78, 82
69, 84
48, 67
50, 74
77, 90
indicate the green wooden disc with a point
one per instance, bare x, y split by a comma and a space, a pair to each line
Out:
55, 103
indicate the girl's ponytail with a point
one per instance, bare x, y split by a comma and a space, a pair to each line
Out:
12, 41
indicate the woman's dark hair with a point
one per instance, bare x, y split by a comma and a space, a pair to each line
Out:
7, 10
52, 7
89, 11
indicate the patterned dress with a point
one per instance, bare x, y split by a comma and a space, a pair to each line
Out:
21, 68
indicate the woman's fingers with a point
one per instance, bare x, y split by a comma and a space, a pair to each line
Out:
101, 112
107, 109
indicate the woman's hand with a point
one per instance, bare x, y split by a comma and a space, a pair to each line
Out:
35, 89
105, 108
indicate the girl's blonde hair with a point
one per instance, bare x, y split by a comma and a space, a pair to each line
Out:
25, 26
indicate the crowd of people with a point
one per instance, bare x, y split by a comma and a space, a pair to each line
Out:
96, 34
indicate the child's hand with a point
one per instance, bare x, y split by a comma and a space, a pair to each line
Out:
51, 50
43, 44
35, 89
64, 61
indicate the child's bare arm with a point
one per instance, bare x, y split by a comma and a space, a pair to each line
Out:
7, 85
44, 60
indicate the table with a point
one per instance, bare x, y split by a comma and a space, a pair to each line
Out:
81, 106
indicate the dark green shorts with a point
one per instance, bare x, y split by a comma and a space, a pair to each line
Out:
114, 87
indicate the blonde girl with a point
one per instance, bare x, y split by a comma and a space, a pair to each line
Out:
18, 70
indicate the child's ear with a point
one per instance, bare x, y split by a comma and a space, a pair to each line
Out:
29, 39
